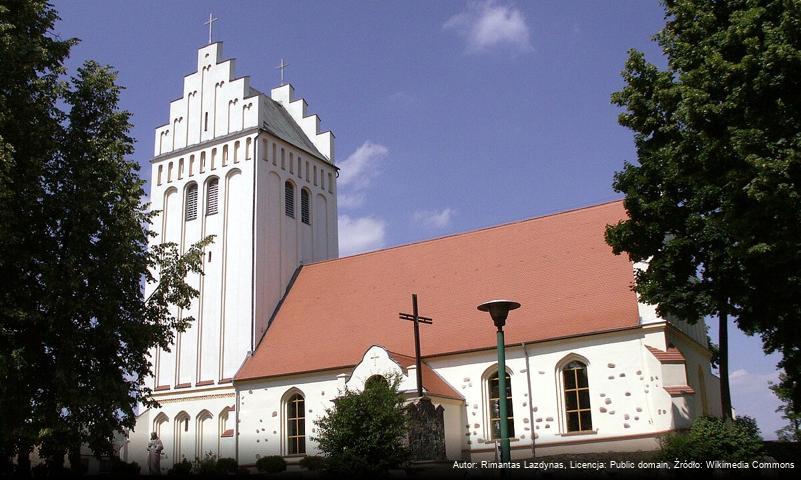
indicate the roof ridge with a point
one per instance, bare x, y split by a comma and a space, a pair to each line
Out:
469, 232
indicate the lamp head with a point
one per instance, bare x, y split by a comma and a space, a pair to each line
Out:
498, 310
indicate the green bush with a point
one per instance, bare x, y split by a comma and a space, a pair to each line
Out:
712, 438
363, 434
227, 466
271, 464
181, 469
312, 462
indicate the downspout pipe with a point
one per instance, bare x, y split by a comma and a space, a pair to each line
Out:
530, 402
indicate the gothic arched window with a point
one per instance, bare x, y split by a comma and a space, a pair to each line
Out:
289, 199
305, 202
211, 196
495, 397
578, 416
191, 202
295, 425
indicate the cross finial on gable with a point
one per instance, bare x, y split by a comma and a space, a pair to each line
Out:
281, 67
210, 23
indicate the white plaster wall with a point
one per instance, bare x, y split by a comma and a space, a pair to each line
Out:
216, 343
621, 389
197, 405
262, 418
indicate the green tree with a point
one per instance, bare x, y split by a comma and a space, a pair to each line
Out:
711, 438
364, 433
75, 327
714, 202
792, 431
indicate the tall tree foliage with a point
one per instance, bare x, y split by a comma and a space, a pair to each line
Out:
714, 202
75, 328
792, 431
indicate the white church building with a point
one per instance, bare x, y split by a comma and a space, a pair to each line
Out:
282, 325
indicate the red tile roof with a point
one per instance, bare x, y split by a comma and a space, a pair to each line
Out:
558, 267
672, 355
433, 384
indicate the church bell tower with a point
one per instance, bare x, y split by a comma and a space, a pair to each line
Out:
257, 172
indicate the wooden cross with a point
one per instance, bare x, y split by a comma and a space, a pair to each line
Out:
210, 23
417, 319
281, 67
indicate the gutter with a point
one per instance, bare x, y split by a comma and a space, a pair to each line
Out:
530, 402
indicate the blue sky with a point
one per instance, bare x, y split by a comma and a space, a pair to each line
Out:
448, 115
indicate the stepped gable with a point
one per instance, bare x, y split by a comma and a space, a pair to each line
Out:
558, 267
215, 104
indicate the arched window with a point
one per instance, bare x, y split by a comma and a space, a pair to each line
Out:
305, 202
236, 151
578, 416
295, 425
161, 171
191, 202
289, 199
225, 156
495, 397
211, 196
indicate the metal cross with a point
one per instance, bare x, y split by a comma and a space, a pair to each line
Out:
417, 319
210, 23
281, 67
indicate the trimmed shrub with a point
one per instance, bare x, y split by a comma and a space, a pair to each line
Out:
713, 438
312, 462
227, 466
271, 464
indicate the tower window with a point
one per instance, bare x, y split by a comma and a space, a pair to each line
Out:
304, 207
495, 398
206, 122
289, 199
191, 202
211, 196
578, 415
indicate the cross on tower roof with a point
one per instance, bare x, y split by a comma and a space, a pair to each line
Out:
210, 23
281, 67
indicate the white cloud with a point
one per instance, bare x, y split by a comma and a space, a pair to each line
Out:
350, 200
361, 166
487, 24
360, 234
434, 218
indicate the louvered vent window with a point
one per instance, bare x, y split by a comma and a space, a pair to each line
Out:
304, 207
211, 197
191, 202
289, 199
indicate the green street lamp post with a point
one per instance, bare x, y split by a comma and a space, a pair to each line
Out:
499, 310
